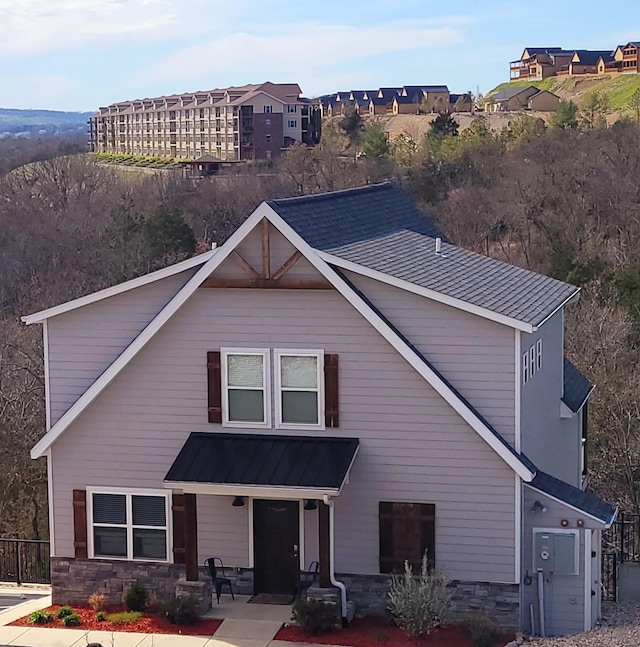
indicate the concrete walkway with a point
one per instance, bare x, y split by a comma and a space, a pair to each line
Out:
244, 625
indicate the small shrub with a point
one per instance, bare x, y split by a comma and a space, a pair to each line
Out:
136, 597
419, 604
482, 631
96, 601
124, 617
315, 616
63, 612
179, 611
71, 620
101, 616
40, 617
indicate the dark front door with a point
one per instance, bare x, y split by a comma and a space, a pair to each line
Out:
276, 544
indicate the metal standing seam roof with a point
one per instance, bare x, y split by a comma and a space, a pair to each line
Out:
586, 501
379, 228
577, 387
264, 460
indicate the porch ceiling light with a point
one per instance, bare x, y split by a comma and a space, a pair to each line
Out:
238, 502
310, 504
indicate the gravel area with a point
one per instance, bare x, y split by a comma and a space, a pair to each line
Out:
619, 627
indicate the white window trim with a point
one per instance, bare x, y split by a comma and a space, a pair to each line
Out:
278, 353
559, 531
266, 374
129, 493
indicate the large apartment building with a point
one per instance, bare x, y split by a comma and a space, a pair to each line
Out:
249, 122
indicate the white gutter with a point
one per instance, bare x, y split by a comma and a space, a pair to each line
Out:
332, 575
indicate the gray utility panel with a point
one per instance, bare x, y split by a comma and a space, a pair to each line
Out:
555, 552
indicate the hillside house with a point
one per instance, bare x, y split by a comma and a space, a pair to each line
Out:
333, 383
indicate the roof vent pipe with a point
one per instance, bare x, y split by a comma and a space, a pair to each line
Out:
438, 246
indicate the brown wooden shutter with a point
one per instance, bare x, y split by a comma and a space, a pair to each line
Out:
177, 511
214, 386
406, 531
331, 393
80, 523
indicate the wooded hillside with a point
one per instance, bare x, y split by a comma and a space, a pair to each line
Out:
563, 202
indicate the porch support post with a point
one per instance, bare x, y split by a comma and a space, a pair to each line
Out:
323, 545
191, 537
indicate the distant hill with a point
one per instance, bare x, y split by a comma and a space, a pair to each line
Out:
619, 87
42, 122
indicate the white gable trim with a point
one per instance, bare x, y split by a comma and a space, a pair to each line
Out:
265, 211
42, 315
141, 340
441, 387
424, 292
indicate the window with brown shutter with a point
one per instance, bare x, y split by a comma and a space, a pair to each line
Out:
407, 530
80, 523
331, 392
214, 386
177, 512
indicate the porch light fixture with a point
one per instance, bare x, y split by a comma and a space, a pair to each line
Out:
538, 507
238, 502
310, 504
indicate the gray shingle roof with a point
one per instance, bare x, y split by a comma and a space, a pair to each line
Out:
508, 93
576, 387
379, 228
586, 501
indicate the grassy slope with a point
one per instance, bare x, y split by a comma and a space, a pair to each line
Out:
619, 87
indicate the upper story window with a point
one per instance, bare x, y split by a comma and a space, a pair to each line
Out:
299, 396
268, 108
293, 108
245, 387
305, 390
531, 361
292, 123
131, 526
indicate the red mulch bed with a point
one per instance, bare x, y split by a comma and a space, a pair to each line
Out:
367, 632
149, 623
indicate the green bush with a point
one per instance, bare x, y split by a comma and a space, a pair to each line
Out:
419, 604
40, 617
71, 620
101, 616
315, 616
483, 632
63, 612
179, 611
124, 617
135, 597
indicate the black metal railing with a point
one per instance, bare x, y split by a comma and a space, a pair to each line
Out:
25, 561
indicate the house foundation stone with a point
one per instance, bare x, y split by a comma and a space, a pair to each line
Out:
200, 591
74, 580
498, 602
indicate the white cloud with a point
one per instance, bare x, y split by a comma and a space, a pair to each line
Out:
29, 27
305, 50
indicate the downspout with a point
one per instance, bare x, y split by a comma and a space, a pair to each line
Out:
332, 575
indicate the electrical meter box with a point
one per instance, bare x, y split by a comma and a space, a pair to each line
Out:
555, 552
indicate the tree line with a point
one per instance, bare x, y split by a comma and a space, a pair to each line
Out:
565, 202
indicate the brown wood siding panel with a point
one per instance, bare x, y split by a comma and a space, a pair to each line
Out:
214, 386
407, 530
177, 512
80, 524
331, 391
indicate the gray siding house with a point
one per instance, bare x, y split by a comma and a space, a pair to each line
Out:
333, 384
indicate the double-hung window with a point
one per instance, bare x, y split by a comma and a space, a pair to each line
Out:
245, 387
129, 526
298, 386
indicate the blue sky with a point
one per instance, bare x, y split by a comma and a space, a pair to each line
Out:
81, 54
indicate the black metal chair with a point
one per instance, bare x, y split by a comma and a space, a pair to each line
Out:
217, 581
306, 579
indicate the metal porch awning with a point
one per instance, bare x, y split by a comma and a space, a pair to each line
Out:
273, 466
